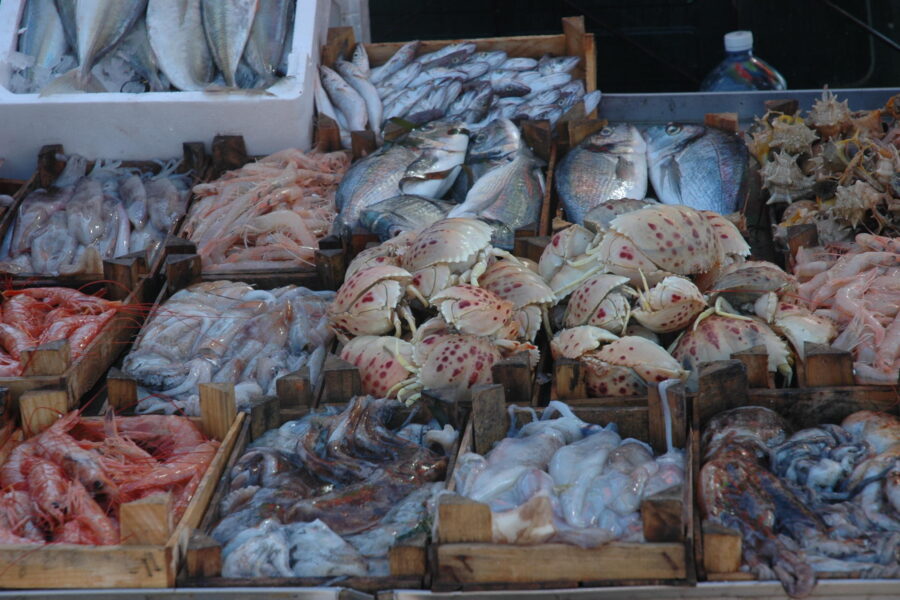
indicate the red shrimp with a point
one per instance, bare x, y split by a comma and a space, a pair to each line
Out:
178, 469
74, 532
17, 515
85, 334
59, 295
89, 514
58, 446
12, 474
24, 312
15, 340
48, 486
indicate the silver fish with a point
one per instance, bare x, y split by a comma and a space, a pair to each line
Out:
493, 146
100, 25
402, 77
519, 64
44, 37
405, 101
607, 165
400, 59
434, 171
66, 11
268, 36
406, 212
353, 76
227, 25
135, 49
557, 64
700, 167
433, 59
361, 59
348, 100
494, 58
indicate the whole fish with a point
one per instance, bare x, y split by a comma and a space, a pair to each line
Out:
227, 25
174, 28
361, 59
352, 75
100, 25
406, 212
435, 170
608, 165
491, 147
700, 167
66, 11
43, 36
400, 59
267, 37
345, 98
135, 49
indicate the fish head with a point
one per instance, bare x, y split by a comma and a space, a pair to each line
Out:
665, 140
499, 139
449, 136
616, 138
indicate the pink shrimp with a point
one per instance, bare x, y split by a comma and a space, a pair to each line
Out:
848, 300
85, 334
889, 350
15, 340
12, 474
60, 295
80, 464
89, 514
17, 515
48, 487
25, 312
178, 469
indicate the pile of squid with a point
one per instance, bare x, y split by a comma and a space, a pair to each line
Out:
836, 168
268, 214
820, 500
86, 217
564, 480
34, 316
329, 494
226, 332
436, 309
66, 484
857, 286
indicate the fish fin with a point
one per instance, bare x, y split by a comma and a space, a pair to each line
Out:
671, 179
73, 82
624, 169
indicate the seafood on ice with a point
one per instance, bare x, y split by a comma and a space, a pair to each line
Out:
35, 316
67, 484
560, 479
226, 332
87, 217
269, 214
329, 494
819, 500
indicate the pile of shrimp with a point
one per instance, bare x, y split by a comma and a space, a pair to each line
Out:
268, 214
66, 484
34, 316
857, 286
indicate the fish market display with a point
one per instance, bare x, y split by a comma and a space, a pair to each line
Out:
87, 217
268, 214
857, 287
818, 500
560, 479
328, 495
834, 168
482, 310
453, 83
226, 332
151, 45
502, 181
35, 316
66, 484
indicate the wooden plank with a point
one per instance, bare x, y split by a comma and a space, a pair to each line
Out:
534, 46
788, 106
721, 549
52, 358
756, 362
328, 134
330, 267
265, 414
121, 390
295, 389
122, 276
228, 153
203, 557
574, 34
727, 121
42, 408
722, 385
339, 43
181, 271
489, 420
340, 381
569, 379
463, 520
800, 236
503, 563
409, 557
49, 165
70, 566
515, 376
362, 143
662, 515
824, 366
217, 409
147, 521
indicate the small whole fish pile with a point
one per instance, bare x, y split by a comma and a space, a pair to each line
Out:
151, 45
328, 495
835, 168
87, 217
268, 214
226, 332
453, 83
691, 165
66, 484
821, 500
35, 316
857, 286
564, 480
490, 175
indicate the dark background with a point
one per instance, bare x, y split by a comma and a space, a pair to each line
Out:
670, 45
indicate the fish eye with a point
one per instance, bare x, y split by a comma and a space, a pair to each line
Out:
672, 128
457, 131
606, 131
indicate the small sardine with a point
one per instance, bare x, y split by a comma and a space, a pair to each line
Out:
399, 60
557, 64
361, 60
347, 99
366, 90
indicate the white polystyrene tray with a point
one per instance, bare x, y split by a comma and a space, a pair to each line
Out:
154, 124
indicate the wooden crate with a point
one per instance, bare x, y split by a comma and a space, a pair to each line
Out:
408, 559
723, 385
229, 153
154, 549
467, 559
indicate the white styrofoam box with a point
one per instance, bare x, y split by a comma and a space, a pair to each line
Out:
154, 124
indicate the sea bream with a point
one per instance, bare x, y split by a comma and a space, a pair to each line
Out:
174, 31
608, 165
406, 212
700, 167
227, 26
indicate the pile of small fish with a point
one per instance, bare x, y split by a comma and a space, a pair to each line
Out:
836, 169
454, 83
328, 495
84, 218
821, 500
151, 45
564, 480
692, 165
857, 286
35, 316
225, 332
66, 484
268, 214
491, 175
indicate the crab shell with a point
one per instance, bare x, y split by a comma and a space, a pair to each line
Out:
728, 235
457, 360
604, 379
799, 326
671, 305
599, 218
576, 341
745, 283
386, 253
475, 311
377, 359
528, 292
564, 264
600, 301
444, 251
366, 303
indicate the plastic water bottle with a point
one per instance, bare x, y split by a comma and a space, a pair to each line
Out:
741, 70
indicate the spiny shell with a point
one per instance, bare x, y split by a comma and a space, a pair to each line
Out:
670, 306
473, 310
650, 361
460, 360
829, 116
376, 358
455, 242
854, 202
784, 179
575, 341
791, 134
599, 301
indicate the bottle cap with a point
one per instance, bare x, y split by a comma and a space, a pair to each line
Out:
738, 41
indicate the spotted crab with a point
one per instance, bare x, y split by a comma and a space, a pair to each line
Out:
601, 301
476, 311
798, 325
754, 287
564, 264
529, 293
671, 305
615, 366
599, 218
372, 301
380, 360
389, 252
